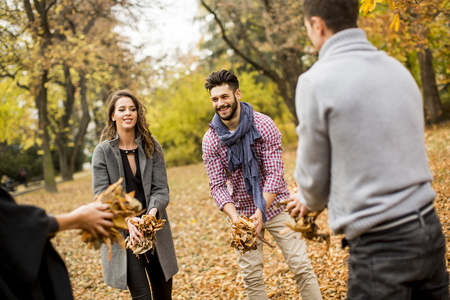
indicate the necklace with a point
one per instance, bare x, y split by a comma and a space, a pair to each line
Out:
128, 151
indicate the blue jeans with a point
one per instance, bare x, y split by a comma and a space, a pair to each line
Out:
404, 262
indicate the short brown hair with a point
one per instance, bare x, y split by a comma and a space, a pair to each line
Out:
220, 78
337, 14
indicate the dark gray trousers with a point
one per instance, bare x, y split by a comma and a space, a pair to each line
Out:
401, 263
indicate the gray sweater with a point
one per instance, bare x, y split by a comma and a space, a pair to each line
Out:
361, 148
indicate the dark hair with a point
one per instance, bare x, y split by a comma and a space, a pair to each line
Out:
337, 14
220, 78
142, 126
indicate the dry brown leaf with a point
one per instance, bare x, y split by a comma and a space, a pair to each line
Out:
122, 205
243, 235
306, 226
147, 226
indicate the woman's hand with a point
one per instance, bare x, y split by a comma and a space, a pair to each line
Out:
133, 231
153, 212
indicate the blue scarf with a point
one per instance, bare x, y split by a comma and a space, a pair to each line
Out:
240, 152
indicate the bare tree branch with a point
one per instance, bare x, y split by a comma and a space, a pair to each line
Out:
273, 75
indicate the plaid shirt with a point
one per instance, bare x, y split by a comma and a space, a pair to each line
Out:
230, 188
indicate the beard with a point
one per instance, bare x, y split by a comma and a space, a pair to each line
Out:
233, 110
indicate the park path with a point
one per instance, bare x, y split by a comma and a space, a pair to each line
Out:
21, 189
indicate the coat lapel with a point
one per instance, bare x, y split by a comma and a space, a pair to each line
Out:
142, 165
114, 144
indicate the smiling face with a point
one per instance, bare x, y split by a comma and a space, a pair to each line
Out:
125, 114
225, 102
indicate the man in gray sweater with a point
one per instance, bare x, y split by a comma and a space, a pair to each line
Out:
361, 152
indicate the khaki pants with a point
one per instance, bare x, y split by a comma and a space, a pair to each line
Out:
294, 252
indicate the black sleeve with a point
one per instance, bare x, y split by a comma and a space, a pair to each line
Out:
53, 226
24, 245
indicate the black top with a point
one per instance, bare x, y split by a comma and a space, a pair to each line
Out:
133, 182
30, 268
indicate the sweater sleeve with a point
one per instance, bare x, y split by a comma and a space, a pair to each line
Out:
312, 170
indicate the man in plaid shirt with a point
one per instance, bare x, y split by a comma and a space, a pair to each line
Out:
242, 155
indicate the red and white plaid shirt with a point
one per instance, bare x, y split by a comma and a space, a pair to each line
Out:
230, 188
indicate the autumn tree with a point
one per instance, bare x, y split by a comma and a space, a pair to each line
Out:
418, 27
37, 27
69, 52
86, 44
267, 35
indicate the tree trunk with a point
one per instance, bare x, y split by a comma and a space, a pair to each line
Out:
64, 168
99, 118
64, 128
41, 104
85, 119
287, 92
432, 101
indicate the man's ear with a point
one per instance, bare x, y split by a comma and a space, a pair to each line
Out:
237, 94
318, 24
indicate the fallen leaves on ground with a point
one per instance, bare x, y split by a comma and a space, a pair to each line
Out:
208, 267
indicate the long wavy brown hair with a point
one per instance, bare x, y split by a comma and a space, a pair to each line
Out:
142, 126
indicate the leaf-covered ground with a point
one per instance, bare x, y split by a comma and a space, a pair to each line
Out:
208, 268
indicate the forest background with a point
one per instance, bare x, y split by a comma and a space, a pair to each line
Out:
59, 60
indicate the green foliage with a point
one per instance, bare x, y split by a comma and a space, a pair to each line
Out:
263, 95
16, 117
179, 115
14, 157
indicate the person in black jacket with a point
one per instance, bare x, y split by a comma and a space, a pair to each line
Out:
30, 268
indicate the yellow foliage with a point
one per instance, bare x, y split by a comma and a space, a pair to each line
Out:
369, 5
396, 22
391, 5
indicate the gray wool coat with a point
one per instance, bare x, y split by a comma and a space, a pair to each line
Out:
107, 168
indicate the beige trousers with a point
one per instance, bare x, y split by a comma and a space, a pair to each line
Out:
293, 248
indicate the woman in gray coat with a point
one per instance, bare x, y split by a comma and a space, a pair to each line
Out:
128, 150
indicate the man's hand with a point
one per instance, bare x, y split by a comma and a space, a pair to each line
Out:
231, 212
258, 220
295, 208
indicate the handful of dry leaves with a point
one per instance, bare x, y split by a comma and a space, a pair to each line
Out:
147, 225
122, 205
243, 235
306, 226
